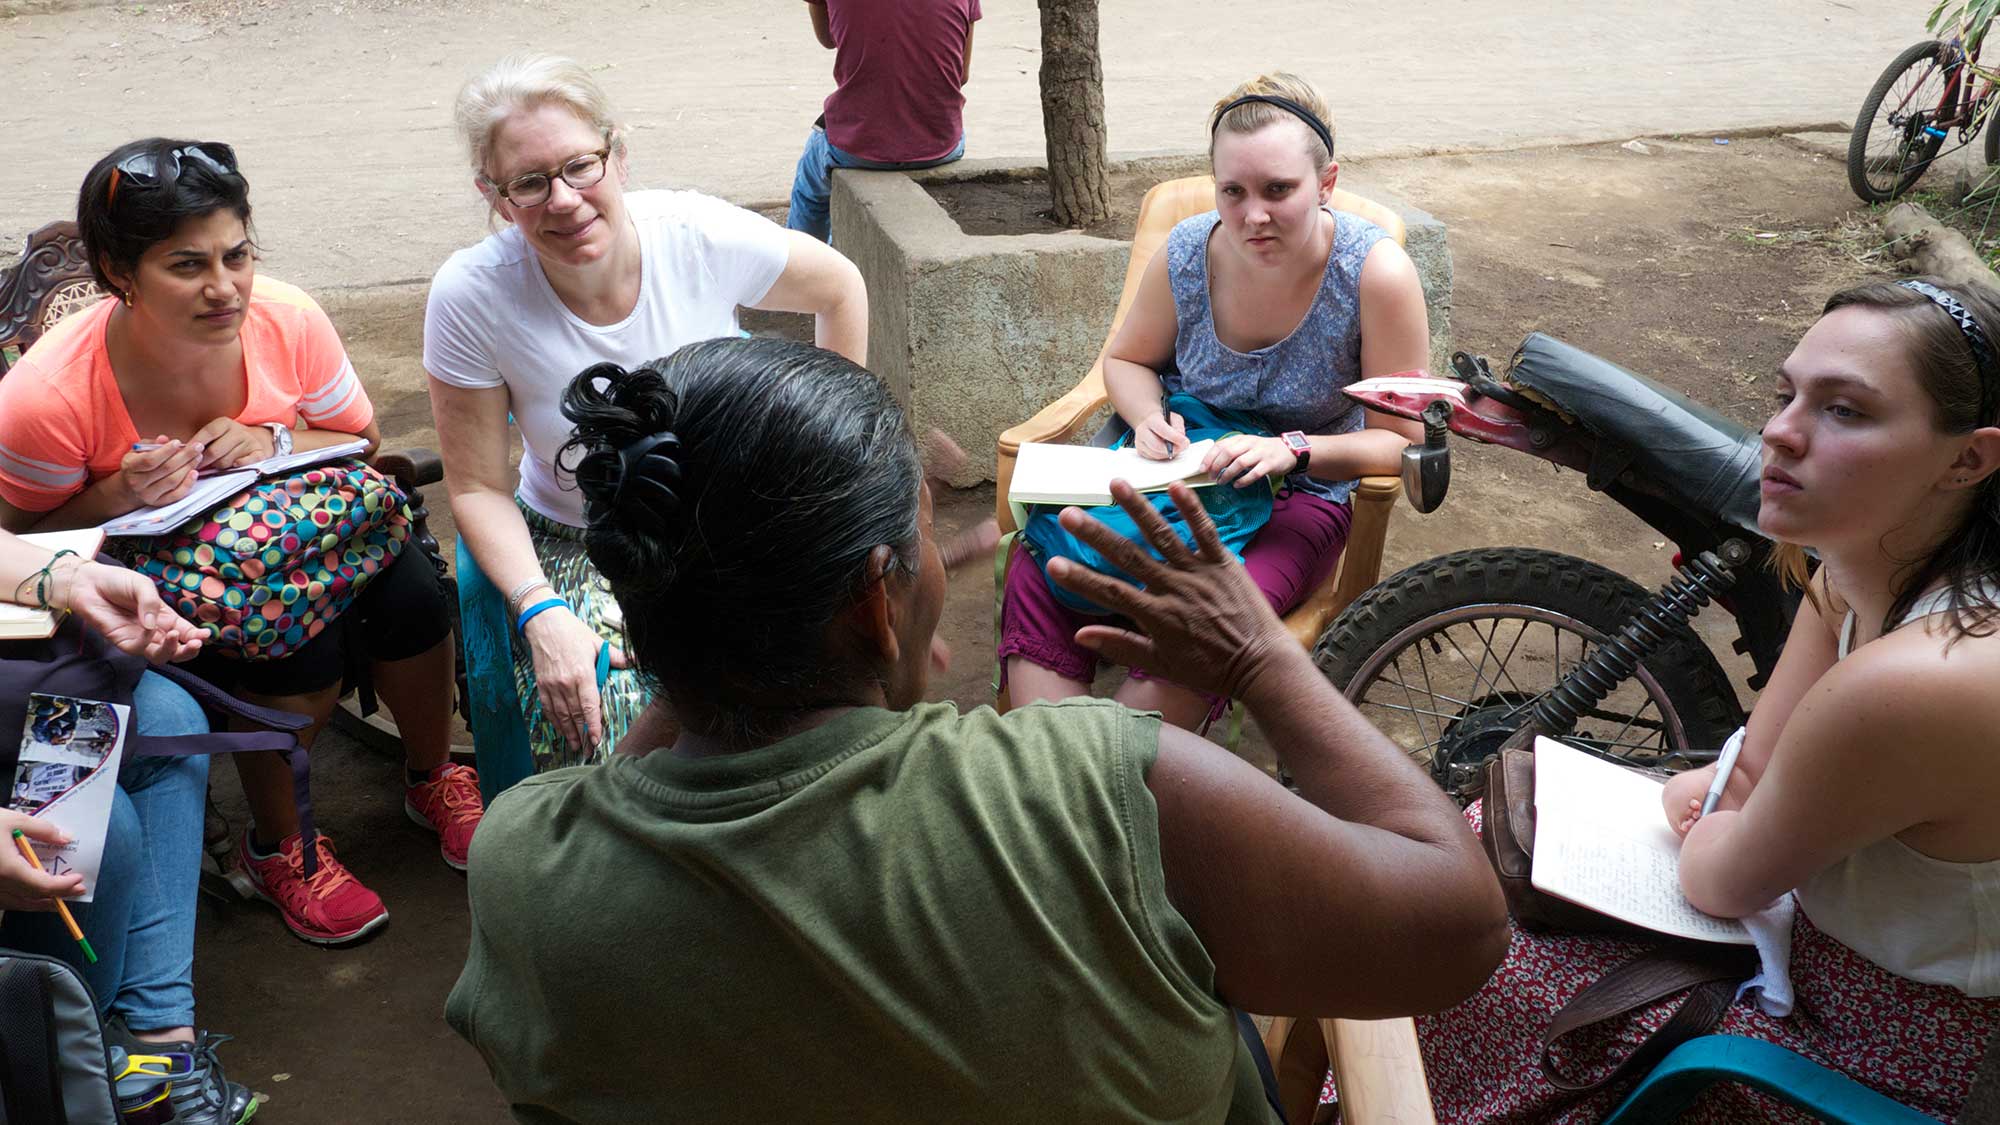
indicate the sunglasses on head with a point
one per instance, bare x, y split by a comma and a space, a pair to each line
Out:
148, 169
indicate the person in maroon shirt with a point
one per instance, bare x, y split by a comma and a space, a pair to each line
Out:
898, 66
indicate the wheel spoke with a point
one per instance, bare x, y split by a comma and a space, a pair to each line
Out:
1428, 740
1461, 704
1411, 710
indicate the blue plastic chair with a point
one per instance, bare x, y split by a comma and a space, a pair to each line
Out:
1697, 1064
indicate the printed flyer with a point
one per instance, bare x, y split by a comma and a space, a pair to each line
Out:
68, 774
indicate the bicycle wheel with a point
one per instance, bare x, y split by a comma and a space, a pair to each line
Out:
1992, 134
1889, 149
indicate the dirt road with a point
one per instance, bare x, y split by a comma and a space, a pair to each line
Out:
341, 108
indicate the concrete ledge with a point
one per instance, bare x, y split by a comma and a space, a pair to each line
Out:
43, 7
975, 333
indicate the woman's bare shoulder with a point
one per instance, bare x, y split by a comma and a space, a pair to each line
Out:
1925, 679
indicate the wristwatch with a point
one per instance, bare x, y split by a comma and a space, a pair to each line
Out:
281, 438
1295, 441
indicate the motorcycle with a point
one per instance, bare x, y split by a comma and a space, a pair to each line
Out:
1463, 654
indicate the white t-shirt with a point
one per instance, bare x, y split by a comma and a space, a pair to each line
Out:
492, 319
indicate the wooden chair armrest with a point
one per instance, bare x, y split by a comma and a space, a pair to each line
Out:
1056, 422
1374, 501
1379, 1071
1360, 562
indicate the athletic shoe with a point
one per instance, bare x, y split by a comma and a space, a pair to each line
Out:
201, 1095
448, 804
329, 908
186, 1070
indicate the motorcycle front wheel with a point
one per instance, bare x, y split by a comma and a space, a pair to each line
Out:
1446, 656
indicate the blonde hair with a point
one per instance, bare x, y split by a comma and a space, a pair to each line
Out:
1252, 116
524, 81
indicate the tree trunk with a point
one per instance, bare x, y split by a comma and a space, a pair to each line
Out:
1921, 244
1073, 112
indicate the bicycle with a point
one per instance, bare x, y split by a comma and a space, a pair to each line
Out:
1915, 107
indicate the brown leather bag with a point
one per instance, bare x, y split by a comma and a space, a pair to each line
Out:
1708, 973
1509, 839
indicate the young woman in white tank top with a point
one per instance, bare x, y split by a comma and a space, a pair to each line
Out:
1870, 769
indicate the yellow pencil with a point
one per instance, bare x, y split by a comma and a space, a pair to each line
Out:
62, 908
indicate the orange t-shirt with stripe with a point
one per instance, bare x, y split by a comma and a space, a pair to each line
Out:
63, 422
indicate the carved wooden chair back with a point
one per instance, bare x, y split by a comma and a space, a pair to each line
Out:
51, 281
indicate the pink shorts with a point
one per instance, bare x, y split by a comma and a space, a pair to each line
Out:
1288, 559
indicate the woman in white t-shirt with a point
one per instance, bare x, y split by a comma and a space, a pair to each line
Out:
583, 274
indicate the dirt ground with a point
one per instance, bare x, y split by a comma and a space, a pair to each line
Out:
1004, 204
341, 109
1698, 264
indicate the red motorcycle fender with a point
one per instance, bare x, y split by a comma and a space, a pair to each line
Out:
1472, 415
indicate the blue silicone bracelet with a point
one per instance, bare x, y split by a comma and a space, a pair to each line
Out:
528, 614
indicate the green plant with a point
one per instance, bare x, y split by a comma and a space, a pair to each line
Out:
1974, 15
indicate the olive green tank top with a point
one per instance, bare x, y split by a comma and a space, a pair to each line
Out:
896, 916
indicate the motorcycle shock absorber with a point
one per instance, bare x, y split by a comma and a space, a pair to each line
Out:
1699, 582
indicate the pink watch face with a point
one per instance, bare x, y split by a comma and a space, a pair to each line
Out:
1297, 443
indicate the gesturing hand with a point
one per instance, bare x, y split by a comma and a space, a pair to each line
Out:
1203, 621
1160, 437
126, 608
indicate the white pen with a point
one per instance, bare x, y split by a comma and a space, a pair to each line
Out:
1723, 767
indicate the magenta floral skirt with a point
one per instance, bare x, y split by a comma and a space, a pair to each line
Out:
1916, 1043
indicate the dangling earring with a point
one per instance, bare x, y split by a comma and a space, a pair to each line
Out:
126, 298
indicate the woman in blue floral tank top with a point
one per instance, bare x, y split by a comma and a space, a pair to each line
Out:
1268, 306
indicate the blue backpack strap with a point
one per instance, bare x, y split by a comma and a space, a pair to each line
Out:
282, 738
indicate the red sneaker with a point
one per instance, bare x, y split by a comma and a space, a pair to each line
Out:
449, 805
330, 908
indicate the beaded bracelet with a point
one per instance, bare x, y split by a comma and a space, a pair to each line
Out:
44, 579
529, 614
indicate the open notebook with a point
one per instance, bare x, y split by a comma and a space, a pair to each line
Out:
1602, 842
23, 623
209, 492
1082, 474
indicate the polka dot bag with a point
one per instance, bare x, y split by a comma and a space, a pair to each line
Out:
274, 565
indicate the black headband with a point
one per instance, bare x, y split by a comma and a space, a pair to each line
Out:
1289, 106
1975, 338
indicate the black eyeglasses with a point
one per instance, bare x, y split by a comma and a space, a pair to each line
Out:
533, 188
145, 169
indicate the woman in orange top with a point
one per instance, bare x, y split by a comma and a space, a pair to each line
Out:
198, 364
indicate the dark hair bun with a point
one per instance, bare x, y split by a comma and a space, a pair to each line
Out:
627, 465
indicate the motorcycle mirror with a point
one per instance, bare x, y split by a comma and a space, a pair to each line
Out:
1427, 467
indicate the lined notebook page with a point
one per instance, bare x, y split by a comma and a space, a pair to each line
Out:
1602, 841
